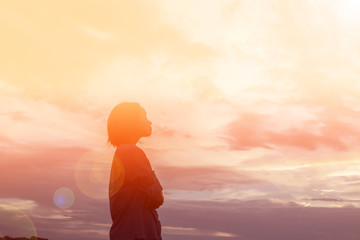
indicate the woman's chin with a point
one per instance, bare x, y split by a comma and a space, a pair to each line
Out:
148, 133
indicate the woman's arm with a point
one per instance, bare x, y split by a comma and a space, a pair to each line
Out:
157, 200
152, 189
138, 172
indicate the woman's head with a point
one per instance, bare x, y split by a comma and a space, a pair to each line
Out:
127, 123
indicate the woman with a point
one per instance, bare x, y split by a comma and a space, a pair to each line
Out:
134, 190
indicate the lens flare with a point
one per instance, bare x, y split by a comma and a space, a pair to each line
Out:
92, 173
117, 176
15, 222
64, 197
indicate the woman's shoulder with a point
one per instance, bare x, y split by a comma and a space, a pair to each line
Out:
129, 148
132, 153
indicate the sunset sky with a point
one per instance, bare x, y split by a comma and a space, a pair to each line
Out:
254, 104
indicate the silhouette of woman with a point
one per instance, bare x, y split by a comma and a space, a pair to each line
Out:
134, 190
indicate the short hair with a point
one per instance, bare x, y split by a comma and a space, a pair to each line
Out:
123, 122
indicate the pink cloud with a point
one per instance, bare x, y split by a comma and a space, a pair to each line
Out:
89, 218
35, 172
251, 130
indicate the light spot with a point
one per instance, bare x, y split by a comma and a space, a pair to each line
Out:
64, 197
92, 173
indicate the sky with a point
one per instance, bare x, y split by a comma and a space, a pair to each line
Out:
254, 109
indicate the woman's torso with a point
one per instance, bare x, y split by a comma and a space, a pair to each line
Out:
131, 218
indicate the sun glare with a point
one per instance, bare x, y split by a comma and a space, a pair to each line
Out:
347, 11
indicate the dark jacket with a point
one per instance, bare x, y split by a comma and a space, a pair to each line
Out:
133, 185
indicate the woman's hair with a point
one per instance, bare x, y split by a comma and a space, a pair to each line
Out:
123, 122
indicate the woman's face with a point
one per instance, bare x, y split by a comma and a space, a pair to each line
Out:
145, 125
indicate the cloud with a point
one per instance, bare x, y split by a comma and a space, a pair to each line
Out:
202, 178
263, 219
167, 132
252, 130
18, 116
331, 200
29, 181
200, 220
16, 222
17, 204
195, 232
64, 228
24, 118
97, 34
204, 89
57, 216
297, 89
70, 50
